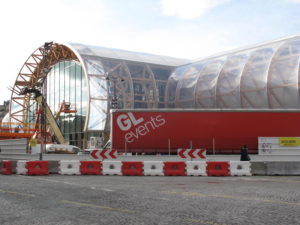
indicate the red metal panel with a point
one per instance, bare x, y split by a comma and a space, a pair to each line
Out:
225, 130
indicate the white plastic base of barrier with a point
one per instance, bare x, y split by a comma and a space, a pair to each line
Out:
21, 167
240, 168
153, 168
69, 167
196, 168
112, 168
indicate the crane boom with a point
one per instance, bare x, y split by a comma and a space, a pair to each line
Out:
51, 121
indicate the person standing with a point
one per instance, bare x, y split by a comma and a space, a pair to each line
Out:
244, 153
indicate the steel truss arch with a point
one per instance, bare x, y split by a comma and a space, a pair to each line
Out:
32, 75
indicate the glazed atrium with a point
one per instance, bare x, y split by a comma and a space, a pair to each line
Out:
95, 79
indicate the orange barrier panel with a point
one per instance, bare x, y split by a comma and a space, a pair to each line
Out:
174, 169
37, 167
6, 168
91, 167
132, 168
218, 169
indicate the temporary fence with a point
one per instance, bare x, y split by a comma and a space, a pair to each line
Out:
129, 168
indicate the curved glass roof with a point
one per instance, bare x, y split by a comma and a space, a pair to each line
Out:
260, 77
138, 80
113, 53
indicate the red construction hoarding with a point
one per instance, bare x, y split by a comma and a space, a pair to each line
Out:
220, 131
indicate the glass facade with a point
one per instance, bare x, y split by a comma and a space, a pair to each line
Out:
89, 77
135, 84
66, 84
137, 80
262, 77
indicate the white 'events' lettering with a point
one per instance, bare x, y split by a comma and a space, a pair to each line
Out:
142, 128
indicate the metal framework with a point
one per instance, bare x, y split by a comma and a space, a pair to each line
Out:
31, 76
136, 80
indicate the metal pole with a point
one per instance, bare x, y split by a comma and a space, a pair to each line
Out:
42, 134
191, 145
125, 147
213, 145
43, 129
43, 74
169, 144
115, 94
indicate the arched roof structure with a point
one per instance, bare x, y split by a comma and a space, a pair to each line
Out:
265, 76
139, 79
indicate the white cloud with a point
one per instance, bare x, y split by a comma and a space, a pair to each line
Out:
174, 41
188, 9
294, 1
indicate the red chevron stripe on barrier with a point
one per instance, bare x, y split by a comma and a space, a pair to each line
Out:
191, 153
94, 154
112, 154
181, 153
102, 154
201, 153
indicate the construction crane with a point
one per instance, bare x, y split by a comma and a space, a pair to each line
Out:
51, 122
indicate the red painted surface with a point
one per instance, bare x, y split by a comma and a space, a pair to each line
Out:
6, 167
229, 130
218, 169
132, 168
91, 167
37, 167
174, 168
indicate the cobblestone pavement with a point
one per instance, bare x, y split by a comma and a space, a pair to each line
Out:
69, 200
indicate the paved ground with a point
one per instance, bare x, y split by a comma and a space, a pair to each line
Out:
69, 200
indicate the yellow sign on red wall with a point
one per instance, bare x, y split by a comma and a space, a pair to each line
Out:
289, 141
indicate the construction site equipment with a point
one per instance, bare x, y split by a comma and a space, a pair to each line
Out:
49, 116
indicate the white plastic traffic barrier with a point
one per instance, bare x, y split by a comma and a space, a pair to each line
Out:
240, 168
153, 168
21, 167
112, 168
69, 167
196, 168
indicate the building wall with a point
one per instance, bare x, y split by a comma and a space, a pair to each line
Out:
4, 109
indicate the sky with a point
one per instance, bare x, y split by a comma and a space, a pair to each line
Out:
180, 28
